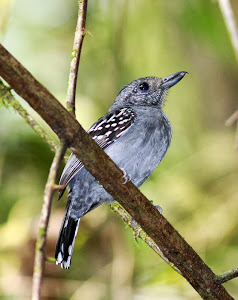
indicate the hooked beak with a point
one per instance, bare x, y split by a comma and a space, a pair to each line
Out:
171, 80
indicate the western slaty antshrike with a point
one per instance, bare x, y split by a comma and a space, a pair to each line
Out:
136, 134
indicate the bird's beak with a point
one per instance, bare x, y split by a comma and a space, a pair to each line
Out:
171, 80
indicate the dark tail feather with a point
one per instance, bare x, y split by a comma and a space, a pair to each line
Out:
65, 243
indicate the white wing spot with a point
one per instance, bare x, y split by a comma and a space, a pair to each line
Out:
59, 258
99, 137
108, 133
66, 223
70, 250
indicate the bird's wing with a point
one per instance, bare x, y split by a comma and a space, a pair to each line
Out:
105, 132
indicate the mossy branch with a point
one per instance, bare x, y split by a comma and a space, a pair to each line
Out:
226, 276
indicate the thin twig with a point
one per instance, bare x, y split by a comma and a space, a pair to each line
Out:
229, 18
75, 57
44, 220
51, 185
226, 276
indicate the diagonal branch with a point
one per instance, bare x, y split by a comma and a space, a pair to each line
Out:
170, 242
75, 57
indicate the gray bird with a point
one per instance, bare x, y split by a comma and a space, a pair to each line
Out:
136, 134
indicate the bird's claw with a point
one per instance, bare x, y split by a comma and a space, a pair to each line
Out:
159, 208
126, 176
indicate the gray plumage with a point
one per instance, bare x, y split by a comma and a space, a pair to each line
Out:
136, 134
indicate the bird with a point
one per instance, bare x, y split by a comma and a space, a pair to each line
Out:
136, 135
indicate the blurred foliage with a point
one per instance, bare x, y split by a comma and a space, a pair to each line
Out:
196, 184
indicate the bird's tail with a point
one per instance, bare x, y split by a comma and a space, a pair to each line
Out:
65, 243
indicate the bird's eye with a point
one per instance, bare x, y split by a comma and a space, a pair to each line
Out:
144, 86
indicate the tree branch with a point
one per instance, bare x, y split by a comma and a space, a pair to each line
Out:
226, 276
75, 57
44, 221
173, 246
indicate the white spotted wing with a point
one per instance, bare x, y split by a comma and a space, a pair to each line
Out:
105, 132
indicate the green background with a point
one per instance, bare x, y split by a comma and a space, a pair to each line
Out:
196, 184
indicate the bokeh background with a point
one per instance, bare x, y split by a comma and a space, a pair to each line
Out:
196, 184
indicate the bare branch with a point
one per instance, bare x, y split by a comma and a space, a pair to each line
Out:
173, 246
44, 220
229, 18
75, 57
226, 276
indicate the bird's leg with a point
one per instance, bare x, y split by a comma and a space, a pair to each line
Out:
126, 176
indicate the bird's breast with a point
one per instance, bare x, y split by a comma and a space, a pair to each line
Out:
140, 150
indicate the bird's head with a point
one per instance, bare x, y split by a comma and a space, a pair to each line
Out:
148, 91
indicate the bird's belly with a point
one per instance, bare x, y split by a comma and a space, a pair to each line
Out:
138, 153
139, 156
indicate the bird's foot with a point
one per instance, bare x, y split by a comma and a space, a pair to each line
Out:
134, 223
159, 208
126, 176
